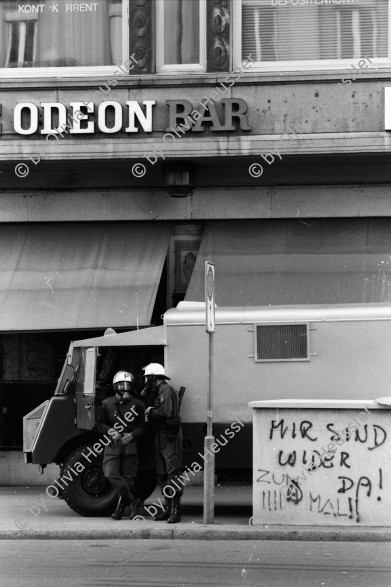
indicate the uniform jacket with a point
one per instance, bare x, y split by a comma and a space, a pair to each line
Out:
127, 416
166, 406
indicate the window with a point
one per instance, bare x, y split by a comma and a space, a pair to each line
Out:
76, 38
58, 37
281, 342
29, 364
181, 35
307, 34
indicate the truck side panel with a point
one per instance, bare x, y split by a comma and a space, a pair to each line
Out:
352, 361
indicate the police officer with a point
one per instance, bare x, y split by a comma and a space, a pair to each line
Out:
122, 417
168, 438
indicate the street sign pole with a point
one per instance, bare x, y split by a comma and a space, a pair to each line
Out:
209, 470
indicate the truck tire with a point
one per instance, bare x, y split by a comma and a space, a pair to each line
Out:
88, 493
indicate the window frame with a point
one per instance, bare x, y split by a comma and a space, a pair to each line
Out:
300, 66
161, 68
76, 72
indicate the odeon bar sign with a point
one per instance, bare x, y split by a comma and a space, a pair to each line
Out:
54, 118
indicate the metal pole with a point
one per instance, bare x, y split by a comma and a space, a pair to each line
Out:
209, 455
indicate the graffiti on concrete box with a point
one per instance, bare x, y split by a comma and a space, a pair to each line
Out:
321, 469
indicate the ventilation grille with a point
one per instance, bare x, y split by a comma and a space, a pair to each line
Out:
31, 424
281, 342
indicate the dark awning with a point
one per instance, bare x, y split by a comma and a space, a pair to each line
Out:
296, 261
80, 275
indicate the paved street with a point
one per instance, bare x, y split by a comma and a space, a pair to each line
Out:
186, 562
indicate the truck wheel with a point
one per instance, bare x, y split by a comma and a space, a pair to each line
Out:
88, 493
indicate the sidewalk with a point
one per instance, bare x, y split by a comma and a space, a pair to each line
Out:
28, 513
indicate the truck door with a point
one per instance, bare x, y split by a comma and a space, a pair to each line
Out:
85, 399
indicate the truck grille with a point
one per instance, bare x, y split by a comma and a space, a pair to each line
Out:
31, 424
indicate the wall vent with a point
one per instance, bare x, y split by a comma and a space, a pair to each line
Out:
281, 342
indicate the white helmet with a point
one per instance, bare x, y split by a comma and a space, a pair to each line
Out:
123, 376
155, 369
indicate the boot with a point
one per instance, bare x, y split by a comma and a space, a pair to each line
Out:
164, 514
175, 515
133, 507
123, 501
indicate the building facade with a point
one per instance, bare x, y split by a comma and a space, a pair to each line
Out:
141, 137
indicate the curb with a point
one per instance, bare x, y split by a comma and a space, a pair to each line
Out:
206, 532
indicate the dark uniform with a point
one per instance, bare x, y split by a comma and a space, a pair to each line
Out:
168, 442
120, 463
